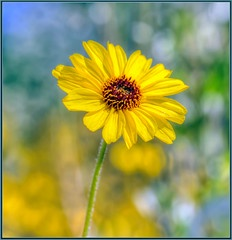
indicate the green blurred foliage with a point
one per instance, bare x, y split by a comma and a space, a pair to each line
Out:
181, 190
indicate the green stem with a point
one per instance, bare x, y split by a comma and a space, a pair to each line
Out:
94, 185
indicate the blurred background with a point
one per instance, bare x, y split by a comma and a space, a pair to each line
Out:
152, 190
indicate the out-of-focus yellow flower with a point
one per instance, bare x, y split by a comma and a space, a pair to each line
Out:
125, 97
126, 221
146, 158
32, 209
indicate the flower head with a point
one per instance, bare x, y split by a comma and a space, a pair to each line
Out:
124, 96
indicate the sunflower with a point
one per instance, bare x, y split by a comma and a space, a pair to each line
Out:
124, 96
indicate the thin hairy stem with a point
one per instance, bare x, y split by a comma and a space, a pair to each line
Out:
93, 188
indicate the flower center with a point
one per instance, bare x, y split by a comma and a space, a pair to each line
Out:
121, 93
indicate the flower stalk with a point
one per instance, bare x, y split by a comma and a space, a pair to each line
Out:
93, 188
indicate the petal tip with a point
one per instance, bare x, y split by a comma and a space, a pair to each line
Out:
56, 72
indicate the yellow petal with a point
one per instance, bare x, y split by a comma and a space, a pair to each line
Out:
114, 126
165, 131
85, 93
122, 58
129, 133
135, 65
164, 87
166, 108
154, 78
148, 120
81, 99
144, 70
57, 70
170, 104
88, 70
87, 66
96, 120
68, 79
100, 56
143, 128
151, 72
118, 57
82, 105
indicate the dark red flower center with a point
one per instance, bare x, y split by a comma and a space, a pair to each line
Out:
121, 93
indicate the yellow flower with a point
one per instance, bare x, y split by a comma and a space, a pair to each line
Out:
124, 96
132, 160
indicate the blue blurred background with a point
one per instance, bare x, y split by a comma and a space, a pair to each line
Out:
152, 190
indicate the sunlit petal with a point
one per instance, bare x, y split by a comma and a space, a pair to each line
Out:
136, 65
165, 131
118, 58
83, 100
129, 133
100, 56
114, 125
95, 120
164, 87
166, 108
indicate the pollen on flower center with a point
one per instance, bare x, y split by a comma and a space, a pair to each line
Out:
121, 93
